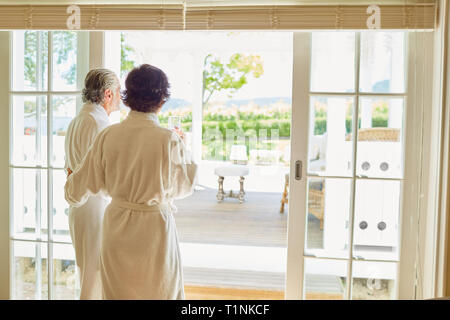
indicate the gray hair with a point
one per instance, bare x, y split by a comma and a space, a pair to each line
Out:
95, 84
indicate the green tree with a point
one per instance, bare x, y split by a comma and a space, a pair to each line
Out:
36, 45
125, 51
65, 45
30, 54
231, 76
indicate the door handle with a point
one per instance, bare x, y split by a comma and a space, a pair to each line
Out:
298, 170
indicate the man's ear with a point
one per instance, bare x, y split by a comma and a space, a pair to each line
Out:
108, 93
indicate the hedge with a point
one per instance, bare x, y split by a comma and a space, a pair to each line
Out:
320, 126
284, 125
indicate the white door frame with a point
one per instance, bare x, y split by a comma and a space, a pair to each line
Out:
5, 245
440, 189
299, 151
296, 227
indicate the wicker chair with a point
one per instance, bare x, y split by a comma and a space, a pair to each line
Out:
376, 134
316, 199
316, 202
284, 198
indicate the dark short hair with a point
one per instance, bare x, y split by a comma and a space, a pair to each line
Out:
146, 87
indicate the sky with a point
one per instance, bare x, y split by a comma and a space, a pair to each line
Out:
180, 54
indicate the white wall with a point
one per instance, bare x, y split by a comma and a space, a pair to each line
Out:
4, 166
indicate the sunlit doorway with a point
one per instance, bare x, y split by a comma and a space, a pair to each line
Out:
231, 92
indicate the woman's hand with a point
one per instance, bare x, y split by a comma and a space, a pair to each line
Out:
179, 132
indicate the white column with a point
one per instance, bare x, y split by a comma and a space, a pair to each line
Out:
366, 114
82, 62
395, 114
336, 163
337, 208
5, 37
96, 49
18, 66
396, 73
197, 108
312, 118
112, 55
112, 60
336, 159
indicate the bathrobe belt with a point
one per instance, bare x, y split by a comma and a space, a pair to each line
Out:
136, 206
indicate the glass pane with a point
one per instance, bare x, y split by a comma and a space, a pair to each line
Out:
29, 271
30, 203
30, 60
382, 62
328, 214
374, 280
60, 208
64, 60
333, 62
64, 110
325, 279
380, 138
330, 140
29, 145
376, 227
65, 281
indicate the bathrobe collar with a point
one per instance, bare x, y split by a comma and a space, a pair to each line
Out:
151, 116
96, 109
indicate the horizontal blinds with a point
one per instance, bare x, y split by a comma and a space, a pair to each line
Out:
216, 3
93, 17
308, 17
229, 3
186, 17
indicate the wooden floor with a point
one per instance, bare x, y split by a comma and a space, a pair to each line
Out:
216, 293
256, 222
214, 284
258, 280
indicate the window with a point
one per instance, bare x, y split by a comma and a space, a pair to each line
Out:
47, 69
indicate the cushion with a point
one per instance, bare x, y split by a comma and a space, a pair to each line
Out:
232, 171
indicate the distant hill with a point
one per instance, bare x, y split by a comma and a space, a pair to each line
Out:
175, 104
259, 101
180, 103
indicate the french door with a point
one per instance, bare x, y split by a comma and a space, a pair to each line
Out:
352, 131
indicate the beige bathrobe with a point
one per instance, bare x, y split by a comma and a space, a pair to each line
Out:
85, 222
143, 167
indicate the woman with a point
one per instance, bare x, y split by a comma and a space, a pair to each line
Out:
143, 167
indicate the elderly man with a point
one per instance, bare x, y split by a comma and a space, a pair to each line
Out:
101, 96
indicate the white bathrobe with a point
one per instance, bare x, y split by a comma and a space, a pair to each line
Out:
85, 221
143, 167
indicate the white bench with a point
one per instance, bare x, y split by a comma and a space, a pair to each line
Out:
231, 171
